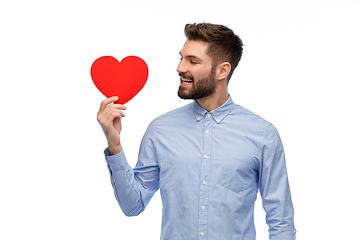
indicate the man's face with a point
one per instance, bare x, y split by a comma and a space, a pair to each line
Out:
197, 75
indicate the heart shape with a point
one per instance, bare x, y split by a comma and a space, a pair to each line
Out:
123, 79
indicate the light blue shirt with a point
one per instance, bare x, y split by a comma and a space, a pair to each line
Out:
209, 167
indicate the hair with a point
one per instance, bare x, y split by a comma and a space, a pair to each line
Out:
224, 45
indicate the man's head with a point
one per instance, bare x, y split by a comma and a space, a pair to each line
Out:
224, 45
208, 47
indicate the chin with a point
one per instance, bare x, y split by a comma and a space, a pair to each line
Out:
184, 95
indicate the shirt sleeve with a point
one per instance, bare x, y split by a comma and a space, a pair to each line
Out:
134, 188
274, 188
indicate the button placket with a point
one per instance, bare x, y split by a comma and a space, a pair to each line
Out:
205, 170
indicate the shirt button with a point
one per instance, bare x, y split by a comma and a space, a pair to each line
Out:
218, 120
204, 182
198, 118
206, 156
209, 115
207, 131
203, 207
202, 234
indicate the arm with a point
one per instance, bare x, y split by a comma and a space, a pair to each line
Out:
133, 188
274, 188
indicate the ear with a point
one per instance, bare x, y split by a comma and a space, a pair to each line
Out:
223, 70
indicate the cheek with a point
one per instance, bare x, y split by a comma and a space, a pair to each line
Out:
202, 73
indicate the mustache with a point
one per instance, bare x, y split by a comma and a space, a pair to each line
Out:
183, 75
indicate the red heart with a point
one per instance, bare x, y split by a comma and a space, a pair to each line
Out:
123, 79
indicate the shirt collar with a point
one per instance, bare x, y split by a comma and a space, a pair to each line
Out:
217, 114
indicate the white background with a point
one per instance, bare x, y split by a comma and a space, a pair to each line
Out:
299, 70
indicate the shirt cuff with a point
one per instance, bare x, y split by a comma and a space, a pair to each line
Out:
116, 162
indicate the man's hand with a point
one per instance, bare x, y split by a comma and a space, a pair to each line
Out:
109, 117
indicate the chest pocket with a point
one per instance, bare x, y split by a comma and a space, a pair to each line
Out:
238, 174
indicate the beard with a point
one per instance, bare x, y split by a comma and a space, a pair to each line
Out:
200, 88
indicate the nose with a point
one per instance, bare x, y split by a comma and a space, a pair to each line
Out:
181, 67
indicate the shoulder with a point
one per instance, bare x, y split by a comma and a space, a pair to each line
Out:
246, 116
181, 111
174, 115
265, 128
256, 125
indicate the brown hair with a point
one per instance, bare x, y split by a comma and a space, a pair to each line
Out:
224, 45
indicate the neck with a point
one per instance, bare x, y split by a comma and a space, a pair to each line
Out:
214, 101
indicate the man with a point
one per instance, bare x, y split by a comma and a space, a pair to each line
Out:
209, 158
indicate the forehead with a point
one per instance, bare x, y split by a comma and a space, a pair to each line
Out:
195, 48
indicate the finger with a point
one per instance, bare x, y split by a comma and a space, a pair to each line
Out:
107, 102
118, 111
119, 107
114, 112
107, 119
114, 107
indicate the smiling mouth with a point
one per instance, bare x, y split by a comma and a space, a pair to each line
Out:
185, 81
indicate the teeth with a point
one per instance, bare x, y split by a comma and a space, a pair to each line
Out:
186, 80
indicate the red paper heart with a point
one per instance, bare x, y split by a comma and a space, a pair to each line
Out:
123, 79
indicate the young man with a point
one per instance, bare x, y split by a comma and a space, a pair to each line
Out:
209, 158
